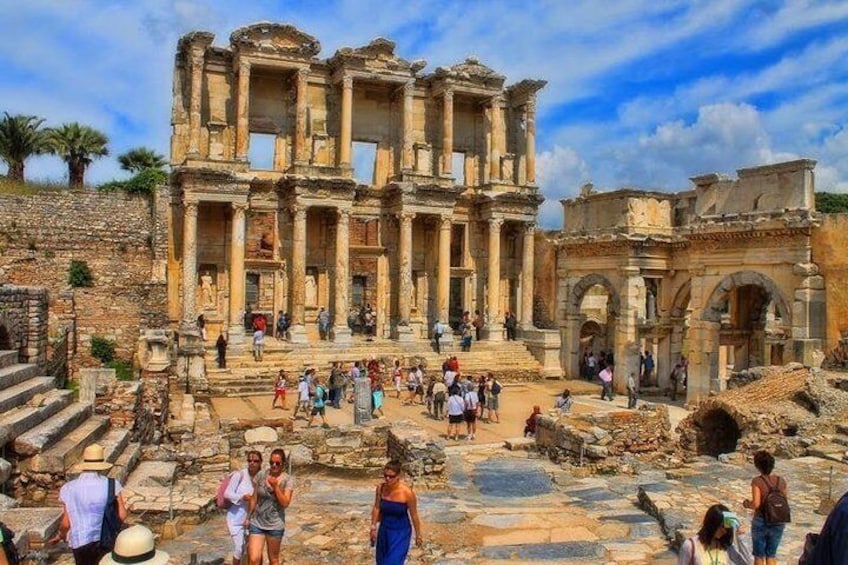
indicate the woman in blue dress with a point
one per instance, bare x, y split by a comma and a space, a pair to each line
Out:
396, 512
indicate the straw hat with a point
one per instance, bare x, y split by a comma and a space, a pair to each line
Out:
93, 459
135, 545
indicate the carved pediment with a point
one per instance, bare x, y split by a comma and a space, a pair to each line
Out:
267, 37
471, 70
378, 55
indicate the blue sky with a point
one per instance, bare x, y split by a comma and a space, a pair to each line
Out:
640, 93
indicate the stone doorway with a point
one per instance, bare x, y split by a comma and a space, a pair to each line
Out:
718, 433
455, 302
5, 339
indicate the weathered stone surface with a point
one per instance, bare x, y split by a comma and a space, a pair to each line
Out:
263, 434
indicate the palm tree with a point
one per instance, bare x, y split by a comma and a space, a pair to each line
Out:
21, 138
78, 145
141, 158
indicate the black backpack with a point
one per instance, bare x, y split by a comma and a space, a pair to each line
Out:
496, 388
775, 507
111, 526
7, 542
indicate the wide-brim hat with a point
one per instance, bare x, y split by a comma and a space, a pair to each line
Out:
93, 459
135, 545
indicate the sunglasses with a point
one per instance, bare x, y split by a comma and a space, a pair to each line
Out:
276, 463
389, 476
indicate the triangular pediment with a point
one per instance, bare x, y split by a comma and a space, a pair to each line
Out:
378, 55
473, 71
272, 38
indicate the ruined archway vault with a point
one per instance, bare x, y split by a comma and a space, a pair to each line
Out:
713, 309
583, 285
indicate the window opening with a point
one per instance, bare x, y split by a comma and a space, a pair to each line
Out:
458, 168
261, 151
364, 161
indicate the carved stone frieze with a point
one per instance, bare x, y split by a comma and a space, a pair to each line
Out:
268, 37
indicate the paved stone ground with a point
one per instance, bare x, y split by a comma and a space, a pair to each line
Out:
501, 507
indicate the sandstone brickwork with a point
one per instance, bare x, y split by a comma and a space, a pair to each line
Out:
120, 237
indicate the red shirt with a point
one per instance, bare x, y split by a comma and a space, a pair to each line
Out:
259, 322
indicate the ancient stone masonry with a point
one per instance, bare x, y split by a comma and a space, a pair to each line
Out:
379, 185
591, 439
725, 274
123, 241
23, 328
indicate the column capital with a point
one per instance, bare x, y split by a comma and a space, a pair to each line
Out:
401, 216
447, 93
409, 87
496, 223
347, 82
445, 222
530, 228
343, 215
496, 101
238, 206
298, 211
197, 57
302, 73
530, 106
190, 208
243, 66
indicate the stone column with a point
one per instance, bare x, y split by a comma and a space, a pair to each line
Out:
530, 143
189, 261
243, 111
301, 144
527, 277
346, 119
298, 275
195, 102
237, 304
443, 283
447, 131
496, 136
340, 328
495, 325
403, 332
406, 157
626, 329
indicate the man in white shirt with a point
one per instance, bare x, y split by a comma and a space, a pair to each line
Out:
438, 331
83, 504
302, 397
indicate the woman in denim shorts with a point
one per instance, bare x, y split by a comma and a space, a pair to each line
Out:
271, 497
765, 537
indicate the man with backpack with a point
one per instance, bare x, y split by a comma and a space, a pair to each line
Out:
771, 509
493, 398
318, 403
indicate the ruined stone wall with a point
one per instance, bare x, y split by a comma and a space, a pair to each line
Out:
829, 243
596, 437
118, 236
23, 312
545, 282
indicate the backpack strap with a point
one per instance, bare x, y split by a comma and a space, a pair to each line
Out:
692, 555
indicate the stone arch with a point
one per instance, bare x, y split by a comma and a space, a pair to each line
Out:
713, 429
587, 282
681, 299
713, 310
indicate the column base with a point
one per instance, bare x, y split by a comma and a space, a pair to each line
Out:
342, 335
403, 334
494, 333
297, 334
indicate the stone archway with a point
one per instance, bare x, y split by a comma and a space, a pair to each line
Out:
717, 433
575, 318
583, 285
715, 305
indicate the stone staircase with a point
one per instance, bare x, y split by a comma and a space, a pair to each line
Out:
44, 430
509, 360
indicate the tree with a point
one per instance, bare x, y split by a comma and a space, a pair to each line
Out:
831, 203
78, 145
141, 158
21, 138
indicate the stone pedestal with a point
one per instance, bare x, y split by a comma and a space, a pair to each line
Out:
342, 335
403, 334
153, 350
297, 334
191, 368
361, 401
92, 381
545, 347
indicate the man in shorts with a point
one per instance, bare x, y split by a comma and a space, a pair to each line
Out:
471, 403
302, 397
318, 403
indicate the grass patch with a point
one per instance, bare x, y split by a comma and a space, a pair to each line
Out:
123, 370
29, 188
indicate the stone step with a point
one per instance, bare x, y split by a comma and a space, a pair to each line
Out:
7, 358
37, 410
114, 442
126, 462
16, 374
51, 430
66, 452
20, 393
32, 526
842, 429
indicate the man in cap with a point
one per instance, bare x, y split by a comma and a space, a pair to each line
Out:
83, 504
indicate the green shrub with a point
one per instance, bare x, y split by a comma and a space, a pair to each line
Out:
102, 349
112, 186
123, 370
145, 182
831, 203
79, 274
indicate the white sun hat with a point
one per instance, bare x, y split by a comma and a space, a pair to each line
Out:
93, 459
135, 545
